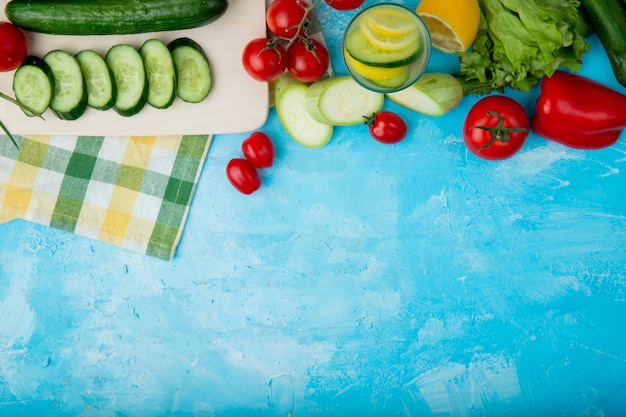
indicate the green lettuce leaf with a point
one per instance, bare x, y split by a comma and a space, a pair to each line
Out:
520, 41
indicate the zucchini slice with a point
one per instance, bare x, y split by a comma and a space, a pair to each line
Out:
33, 85
130, 79
101, 89
193, 70
160, 71
70, 93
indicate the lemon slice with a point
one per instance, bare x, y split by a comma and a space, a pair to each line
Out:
390, 22
453, 24
386, 42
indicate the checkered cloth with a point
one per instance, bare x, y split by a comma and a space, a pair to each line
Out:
133, 192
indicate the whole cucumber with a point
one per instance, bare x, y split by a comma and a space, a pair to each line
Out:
608, 18
112, 17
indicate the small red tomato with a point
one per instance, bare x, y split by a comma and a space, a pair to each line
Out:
307, 60
13, 47
259, 150
264, 59
243, 175
283, 17
496, 127
387, 127
345, 4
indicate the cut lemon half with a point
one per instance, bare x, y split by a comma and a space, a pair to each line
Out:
390, 22
452, 24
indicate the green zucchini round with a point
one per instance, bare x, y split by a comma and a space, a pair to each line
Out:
112, 17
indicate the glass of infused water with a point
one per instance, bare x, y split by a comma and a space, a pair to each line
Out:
386, 47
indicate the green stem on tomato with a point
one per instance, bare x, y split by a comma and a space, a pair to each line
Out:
303, 22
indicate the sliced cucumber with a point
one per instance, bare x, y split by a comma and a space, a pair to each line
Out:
193, 71
101, 89
363, 51
433, 94
341, 101
294, 116
33, 85
160, 71
70, 93
130, 78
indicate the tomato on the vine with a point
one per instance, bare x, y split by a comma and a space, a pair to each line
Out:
284, 17
259, 150
345, 4
387, 127
243, 175
264, 59
13, 47
307, 60
496, 127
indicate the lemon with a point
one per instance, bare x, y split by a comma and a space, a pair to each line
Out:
452, 24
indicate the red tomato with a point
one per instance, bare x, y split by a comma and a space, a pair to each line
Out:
387, 127
264, 59
259, 150
13, 47
243, 175
496, 128
345, 4
283, 17
307, 60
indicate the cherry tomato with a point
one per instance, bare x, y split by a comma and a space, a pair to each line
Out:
496, 127
13, 47
243, 175
387, 127
264, 59
284, 16
307, 60
345, 4
259, 150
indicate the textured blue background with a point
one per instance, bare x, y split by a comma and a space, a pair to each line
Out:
362, 279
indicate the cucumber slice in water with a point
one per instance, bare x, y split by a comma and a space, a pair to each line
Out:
363, 51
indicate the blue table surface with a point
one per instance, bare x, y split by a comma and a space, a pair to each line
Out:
361, 279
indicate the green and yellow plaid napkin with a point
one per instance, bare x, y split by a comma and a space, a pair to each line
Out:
133, 192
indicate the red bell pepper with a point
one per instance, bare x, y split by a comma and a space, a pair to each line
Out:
578, 112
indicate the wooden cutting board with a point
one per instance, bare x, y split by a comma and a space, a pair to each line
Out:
236, 103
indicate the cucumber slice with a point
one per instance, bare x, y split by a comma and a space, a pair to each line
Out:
341, 101
363, 51
160, 71
433, 94
33, 85
101, 89
130, 78
193, 70
70, 93
293, 115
